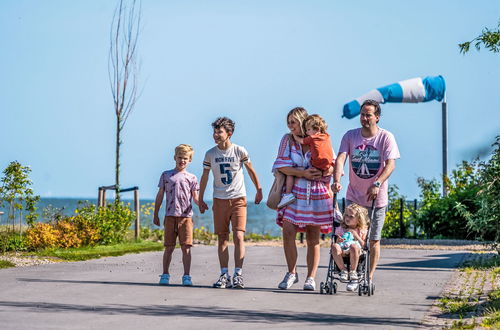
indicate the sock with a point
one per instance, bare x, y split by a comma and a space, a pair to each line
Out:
224, 270
238, 271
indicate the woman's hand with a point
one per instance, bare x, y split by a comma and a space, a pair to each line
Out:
312, 173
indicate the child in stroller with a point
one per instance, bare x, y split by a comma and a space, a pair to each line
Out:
349, 242
350, 253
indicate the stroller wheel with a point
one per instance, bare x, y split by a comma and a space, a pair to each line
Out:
321, 288
360, 290
334, 288
372, 287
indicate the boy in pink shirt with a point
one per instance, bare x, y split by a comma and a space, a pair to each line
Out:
179, 187
372, 152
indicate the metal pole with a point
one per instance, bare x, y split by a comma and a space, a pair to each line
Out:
445, 144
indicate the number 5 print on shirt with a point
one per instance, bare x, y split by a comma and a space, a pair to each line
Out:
225, 170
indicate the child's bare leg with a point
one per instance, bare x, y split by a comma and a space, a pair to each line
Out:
223, 250
186, 258
167, 258
337, 256
354, 253
290, 180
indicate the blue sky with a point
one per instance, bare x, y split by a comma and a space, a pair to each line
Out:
249, 60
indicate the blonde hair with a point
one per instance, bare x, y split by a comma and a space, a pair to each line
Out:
316, 122
360, 212
299, 114
184, 149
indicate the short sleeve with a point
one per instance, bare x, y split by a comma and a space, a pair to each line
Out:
207, 164
283, 159
391, 147
243, 154
344, 144
161, 183
194, 184
339, 231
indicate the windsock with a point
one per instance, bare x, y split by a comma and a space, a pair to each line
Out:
407, 91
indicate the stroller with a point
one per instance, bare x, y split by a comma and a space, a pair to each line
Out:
365, 285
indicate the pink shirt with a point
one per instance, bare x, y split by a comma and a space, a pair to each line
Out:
367, 157
179, 188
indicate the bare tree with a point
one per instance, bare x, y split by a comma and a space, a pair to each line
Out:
123, 69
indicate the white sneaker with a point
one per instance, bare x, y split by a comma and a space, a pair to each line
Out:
352, 286
353, 276
344, 275
288, 281
310, 285
286, 200
164, 279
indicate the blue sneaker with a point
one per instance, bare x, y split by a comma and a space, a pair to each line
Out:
186, 280
164, 279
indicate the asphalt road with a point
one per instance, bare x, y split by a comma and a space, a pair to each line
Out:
122, 293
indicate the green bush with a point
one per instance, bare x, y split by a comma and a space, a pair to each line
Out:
12, 241
443, 217
486, 221
111, 221
392, 222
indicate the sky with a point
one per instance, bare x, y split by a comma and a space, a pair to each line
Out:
249, 60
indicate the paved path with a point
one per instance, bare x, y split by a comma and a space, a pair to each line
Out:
122, 293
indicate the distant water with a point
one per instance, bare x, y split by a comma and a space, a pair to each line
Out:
260, 219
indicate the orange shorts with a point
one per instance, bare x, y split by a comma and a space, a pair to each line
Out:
178, 227
232, 211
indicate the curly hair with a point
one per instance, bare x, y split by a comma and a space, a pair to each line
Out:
360, 212
224, 122
316, 122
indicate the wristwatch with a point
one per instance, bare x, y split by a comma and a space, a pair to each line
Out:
377, 184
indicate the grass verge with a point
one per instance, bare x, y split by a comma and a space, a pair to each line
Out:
95, 252
474, 307
6, 264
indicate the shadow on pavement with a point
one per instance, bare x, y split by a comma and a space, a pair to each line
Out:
227, 314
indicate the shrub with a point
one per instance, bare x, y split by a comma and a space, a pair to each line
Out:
42, 235
392, 222
443, 217
12, 241
486, 221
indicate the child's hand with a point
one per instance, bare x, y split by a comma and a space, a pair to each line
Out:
203, 207
156, 220
258, 196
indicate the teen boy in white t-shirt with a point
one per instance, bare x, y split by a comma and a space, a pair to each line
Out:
226, 161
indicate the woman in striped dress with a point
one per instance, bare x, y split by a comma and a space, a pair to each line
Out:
312, 212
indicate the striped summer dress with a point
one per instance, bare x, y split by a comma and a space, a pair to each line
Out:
317, 210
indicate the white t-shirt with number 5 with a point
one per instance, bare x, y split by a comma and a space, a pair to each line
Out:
227, 168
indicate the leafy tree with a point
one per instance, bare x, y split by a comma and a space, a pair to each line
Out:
490, 39
16, 191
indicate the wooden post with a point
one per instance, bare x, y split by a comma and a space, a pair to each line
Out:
99, 198
401, 220
104, 197
415, 205
137, 214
